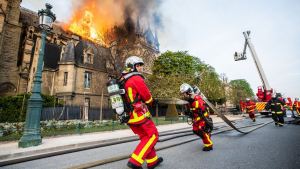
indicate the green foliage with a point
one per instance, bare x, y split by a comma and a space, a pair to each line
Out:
240, 90
171, 69
13, 108
211, 85
179, 62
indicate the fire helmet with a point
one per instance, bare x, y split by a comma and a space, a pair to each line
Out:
131, 61
186, 88
247, 99
297, 99
196, 89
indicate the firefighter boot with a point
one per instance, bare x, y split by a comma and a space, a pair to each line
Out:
133, 166
207, 148
159, 160
280, 124
253, 120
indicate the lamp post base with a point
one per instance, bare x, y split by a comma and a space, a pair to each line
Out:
30, 140
32, 132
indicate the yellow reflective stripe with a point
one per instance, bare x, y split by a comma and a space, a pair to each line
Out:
210, 142
137, 119
205, 114
149, 101
279, 112
152, 159
146, 147
130, 94
134, 114
192, 108
198, 118
141, 161
197, 104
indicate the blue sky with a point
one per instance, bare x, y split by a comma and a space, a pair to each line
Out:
212, 30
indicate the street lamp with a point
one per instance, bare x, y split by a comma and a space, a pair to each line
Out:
32, 130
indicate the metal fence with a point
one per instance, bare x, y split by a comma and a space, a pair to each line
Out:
74, 112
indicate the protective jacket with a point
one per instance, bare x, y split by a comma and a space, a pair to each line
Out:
137, 95
296, 106
275, 105
250, 106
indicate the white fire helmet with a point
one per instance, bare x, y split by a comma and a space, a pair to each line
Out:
186, 88
132, 61
274, 95
247, 99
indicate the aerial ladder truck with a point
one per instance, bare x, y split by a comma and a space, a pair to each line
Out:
264, 92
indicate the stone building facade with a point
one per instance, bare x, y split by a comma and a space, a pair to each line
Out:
75, 70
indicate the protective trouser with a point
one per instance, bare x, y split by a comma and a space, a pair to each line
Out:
145, 150
251, 115
298, 111
278, 118
198, 129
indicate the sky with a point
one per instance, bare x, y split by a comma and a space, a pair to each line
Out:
212, 30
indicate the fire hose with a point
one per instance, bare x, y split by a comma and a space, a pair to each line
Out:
224, 118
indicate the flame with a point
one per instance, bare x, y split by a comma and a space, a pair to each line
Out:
91, 22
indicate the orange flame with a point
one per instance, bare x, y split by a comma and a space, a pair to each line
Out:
91, 21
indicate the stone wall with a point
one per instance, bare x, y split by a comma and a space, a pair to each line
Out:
10, 43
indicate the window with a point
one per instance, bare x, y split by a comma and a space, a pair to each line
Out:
89, 58
87, 79
65, 78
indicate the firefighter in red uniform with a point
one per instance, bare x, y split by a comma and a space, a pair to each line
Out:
296, 106
250, 108
197, 110
138, 95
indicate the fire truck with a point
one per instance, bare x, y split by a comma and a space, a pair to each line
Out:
264, 92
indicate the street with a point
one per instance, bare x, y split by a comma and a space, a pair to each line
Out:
267, 147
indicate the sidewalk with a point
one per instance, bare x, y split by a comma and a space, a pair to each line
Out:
10, 150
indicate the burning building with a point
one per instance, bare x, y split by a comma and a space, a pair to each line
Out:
79, 55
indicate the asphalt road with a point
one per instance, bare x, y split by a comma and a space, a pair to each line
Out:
269, 147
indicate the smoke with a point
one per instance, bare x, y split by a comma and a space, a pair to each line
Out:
120, 16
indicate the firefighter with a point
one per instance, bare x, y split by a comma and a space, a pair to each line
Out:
197, 110
138, 97
250, 108
276, 107
242, 106
296, 106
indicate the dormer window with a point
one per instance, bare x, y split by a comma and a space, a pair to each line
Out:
88, 56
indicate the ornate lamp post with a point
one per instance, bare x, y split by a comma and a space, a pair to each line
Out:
32, 131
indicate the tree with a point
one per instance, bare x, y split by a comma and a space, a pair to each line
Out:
239, 90
171, 69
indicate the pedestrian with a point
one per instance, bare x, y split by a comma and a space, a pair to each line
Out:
250, 108
198, 111
276, 107
138, 97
